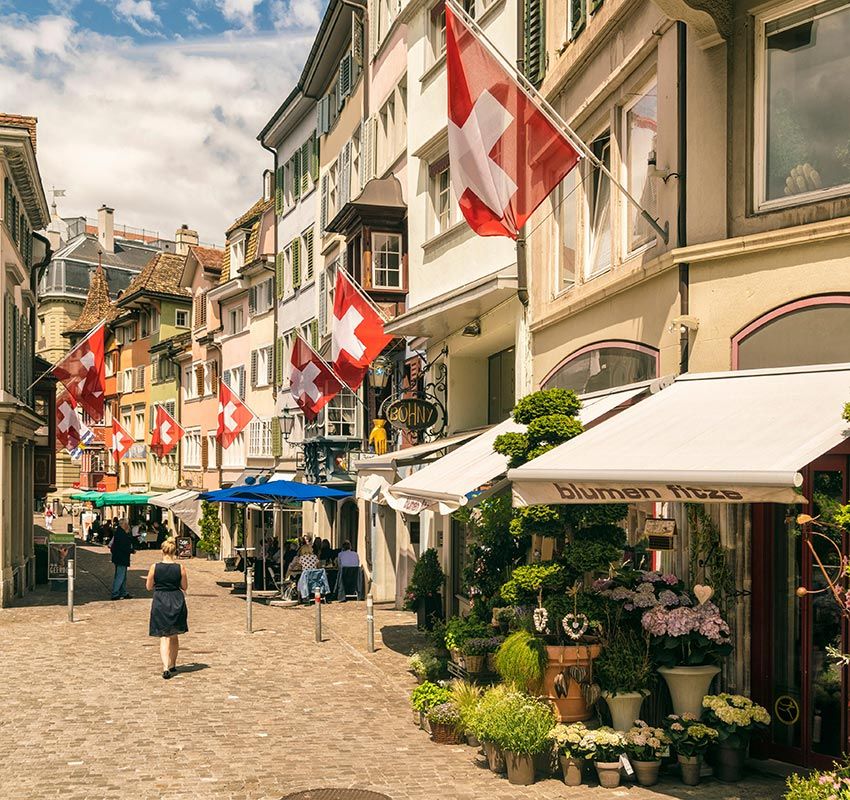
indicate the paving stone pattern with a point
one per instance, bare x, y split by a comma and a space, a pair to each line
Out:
86, 714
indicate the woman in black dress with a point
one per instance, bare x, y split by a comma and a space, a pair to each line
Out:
169, 616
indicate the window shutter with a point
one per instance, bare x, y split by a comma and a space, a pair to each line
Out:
535, 40
314, 158
151, 413
306, 166
253, 369
277, 438
269, 365
226, 378
296, 263
155, 377
218, 458
308, 253
345, 175
314, 334
278, 190
323, 116
199, 379
357, 39
368, 142
242, 383
214, 381
324, 202
9, 347
252, 300
323, 303
278, 360
578, 16
205, 452
279, 279
139, 382
343, 84
373, 27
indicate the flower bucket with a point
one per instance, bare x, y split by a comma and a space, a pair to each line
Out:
646, 772
572, 769
520, 769
691, 767
729, 763
572, 707
624, 708
444, 734
688, 685
474, 664
495, 757
608, 773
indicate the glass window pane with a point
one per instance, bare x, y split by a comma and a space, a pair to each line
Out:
599, 207
641, 130
567, 224
808, 101
604, 368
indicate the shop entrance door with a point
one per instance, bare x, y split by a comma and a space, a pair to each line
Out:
793, 674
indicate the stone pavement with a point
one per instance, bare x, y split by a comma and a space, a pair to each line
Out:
87, 715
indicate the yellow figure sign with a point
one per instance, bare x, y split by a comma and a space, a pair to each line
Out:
378, 436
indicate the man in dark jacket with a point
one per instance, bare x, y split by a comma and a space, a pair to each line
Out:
122, 549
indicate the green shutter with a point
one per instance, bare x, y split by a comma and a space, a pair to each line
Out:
279, 277
314, 158
314, 334
278, 361
296, 174
308, 253
296, 263
9, 343
578, 17
277, 438
305, 167
278, 191
535, 40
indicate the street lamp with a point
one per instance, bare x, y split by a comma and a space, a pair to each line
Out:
381, 371
286, 423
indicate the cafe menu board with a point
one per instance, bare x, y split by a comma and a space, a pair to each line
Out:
58, 554
184, 546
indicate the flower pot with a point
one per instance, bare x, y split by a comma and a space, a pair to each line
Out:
691, 767
456, 656
624, 707
572, 769
543, 764
572, 707
474, 664
608, 773
495, 757
520, 769
646, 772
423, 722
472, 741
729, 762
417, 718
688, 685
444, 734
428, 609
491, 662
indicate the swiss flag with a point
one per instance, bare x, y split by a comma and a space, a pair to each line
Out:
233, 415
505, 155
357, 335
312, 384
83, 373
70, 428
121, 442
166, 433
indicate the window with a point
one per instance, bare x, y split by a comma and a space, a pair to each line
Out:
200, 309
446, 210
192, 449
501, 385
386, 261
139, 423
261, 297
153, 316
234, 378
237, 254
599, 210
260, 438
234, 456
181, 318
286, 363
209, 387
262, 364
127, 418
641, 124
126, 381
235, 320
576, 17
212, 451
803, 104
190, 384
604, 366
438, 31
534, 46
143, 325
132, 331
341, 415
567, 228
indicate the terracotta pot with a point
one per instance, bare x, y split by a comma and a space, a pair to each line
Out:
608, 773
495, 757
729, 763
572, 769
474, 664
690, 766
688, 685
624, 708
571, 708
472, 741
520, 769
646, 772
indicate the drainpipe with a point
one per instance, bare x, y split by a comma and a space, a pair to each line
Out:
681, 218
521, 256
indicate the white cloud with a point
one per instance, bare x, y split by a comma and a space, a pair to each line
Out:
194, 20
240, 12
164, 133
134, 13
295, 14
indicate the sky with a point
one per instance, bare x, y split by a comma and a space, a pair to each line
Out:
153, 107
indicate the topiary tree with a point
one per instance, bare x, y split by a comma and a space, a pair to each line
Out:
210, 539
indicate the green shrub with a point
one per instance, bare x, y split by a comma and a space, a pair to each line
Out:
545, 403
466, 696
425, 665
427, 581
460, 629
427, 695
521, 661
538, 521
624, 664
552, 429
820, 785
523, 725
527, 582
210, 524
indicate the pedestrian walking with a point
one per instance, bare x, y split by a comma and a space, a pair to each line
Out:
86, 521
169, 615
122, 548
49, 516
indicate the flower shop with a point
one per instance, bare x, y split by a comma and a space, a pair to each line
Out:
651, 600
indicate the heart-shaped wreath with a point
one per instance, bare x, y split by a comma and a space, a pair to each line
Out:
575, 625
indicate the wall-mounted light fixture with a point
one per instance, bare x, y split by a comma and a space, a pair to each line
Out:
473, 328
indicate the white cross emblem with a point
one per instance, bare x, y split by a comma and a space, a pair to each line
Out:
344, 337
227, 415
304, 382
472, 167
67, 422
165, 432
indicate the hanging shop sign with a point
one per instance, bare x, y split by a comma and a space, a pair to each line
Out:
412, 413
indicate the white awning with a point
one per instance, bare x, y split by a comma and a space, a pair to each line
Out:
736, 437
183, 503
474, 468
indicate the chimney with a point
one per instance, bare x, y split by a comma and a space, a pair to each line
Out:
185, 237
106, 229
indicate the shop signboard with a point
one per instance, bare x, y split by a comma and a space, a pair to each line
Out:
184, 546
58, 554
412, 413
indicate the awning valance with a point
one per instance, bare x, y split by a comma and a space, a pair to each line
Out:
457, 478
121, 499
183, 503
718, 437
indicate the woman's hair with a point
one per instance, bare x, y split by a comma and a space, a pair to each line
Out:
169, 547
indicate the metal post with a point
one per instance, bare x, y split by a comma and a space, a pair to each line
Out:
249, 599
370, 624
70, 590
317, 599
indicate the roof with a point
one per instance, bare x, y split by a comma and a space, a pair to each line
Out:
381, 199
97, 306
18, 146
735, 437
130, 255
209, 258
161, 275
251, 220
18, 121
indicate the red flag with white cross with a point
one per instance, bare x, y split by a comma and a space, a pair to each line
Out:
505, 154
121, 442
357, 335
71, 431
166, 433
233, 415
83, 372
311, 382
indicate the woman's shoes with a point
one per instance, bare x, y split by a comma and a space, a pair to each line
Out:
166, 674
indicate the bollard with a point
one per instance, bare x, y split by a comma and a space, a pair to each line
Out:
70, 590
370, 624
317, 599
249, 599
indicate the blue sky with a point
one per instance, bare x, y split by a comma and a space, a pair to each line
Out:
153, 106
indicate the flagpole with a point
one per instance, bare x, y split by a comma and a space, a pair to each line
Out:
362, 292
332, 371
56, 363
554, 117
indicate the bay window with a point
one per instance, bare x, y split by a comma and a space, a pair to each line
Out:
341, 415
386, 261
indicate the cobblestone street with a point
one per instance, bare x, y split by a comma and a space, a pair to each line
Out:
86, 713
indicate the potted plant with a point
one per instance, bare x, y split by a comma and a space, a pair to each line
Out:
522, 732
425, 665
460, 630
493, 645
423, 593
484, 724
444, 719
425, 696
210, 524
606, 746
644, 746
691, 739
466, 696
475, 654
624, 672
521, 661
572, 749
734, 717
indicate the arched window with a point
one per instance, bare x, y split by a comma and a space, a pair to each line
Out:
605, 365
815, 330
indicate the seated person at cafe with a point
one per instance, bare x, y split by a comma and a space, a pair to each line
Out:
347, 557
327, 553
